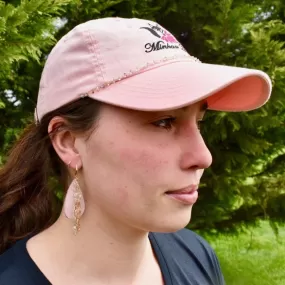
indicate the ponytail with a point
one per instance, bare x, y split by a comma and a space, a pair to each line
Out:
27, 203
25, 200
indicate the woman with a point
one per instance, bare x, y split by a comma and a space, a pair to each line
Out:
117, 122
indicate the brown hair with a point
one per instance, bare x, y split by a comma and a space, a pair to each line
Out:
27, 200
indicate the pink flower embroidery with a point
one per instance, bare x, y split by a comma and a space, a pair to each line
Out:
168, 38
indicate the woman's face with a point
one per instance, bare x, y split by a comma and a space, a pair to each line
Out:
133, 158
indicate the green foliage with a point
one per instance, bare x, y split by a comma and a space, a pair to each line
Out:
254, 257
25, 30
246, 180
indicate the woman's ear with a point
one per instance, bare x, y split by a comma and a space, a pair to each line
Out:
63, 141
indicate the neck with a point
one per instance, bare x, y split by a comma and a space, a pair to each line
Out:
104, 250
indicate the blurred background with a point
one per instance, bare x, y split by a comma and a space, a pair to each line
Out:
241, 210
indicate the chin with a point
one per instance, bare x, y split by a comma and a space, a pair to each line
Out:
172, 222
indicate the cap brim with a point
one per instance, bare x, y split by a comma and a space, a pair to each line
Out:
182, 83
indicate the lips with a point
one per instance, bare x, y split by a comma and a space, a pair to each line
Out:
188, 195
186, 190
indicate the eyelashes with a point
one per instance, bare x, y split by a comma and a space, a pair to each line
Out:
169, 122
166, 123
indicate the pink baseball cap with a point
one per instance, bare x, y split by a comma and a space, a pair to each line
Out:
137, 64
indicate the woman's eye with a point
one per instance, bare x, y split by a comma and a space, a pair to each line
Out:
166, 123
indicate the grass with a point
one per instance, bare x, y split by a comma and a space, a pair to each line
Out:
253, 258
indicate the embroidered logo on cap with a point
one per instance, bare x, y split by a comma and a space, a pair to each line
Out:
167, 40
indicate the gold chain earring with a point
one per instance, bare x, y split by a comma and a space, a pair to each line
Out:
74, 205
77, 196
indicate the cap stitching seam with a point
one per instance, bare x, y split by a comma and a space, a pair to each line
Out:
126, 76
95, 52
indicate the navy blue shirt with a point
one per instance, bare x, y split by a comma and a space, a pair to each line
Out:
184, 258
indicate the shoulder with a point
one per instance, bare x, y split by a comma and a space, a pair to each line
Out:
194, 242
16, 267
188, 251
6, 261
9, 267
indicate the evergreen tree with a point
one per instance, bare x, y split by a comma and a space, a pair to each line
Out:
27, 30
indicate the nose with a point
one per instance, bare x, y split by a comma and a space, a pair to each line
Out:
195, 154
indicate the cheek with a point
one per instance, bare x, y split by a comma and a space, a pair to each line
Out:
120, 196
144, 161
126, 171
